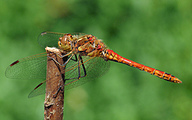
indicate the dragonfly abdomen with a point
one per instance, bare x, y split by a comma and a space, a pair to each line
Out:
160, 74
111, 55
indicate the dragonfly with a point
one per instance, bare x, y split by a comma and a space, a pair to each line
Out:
87, 58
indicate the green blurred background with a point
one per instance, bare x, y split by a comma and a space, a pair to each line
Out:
150, 32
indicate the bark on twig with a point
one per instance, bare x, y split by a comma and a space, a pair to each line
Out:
54, 99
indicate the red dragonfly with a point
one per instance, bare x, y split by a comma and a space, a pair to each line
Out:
88, 58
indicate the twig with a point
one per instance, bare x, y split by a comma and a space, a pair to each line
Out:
54, 99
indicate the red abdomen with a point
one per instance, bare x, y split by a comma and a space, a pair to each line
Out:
111, 55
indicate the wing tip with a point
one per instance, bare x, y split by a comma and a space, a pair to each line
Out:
43, 33
17, 61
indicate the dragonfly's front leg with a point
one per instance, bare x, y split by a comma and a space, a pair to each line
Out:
56, 51
59, 63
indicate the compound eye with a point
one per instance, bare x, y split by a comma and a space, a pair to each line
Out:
59, 42
67, 38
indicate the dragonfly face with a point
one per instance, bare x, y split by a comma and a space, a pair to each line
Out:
65, 42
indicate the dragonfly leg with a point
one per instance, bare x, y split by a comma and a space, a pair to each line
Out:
85, 73
59, 63
75, 58
60, 88
62, 56
79, 69
80, 62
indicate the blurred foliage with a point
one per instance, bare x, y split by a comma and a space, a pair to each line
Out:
154, 33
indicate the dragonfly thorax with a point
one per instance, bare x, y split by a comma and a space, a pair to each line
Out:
91, 47
87, 45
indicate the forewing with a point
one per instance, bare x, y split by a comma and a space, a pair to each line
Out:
32, 67
49, 39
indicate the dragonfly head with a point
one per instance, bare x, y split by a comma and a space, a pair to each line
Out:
65, 42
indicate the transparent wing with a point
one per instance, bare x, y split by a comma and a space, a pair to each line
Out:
49, 39
39, 90
32, 67
94, 66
